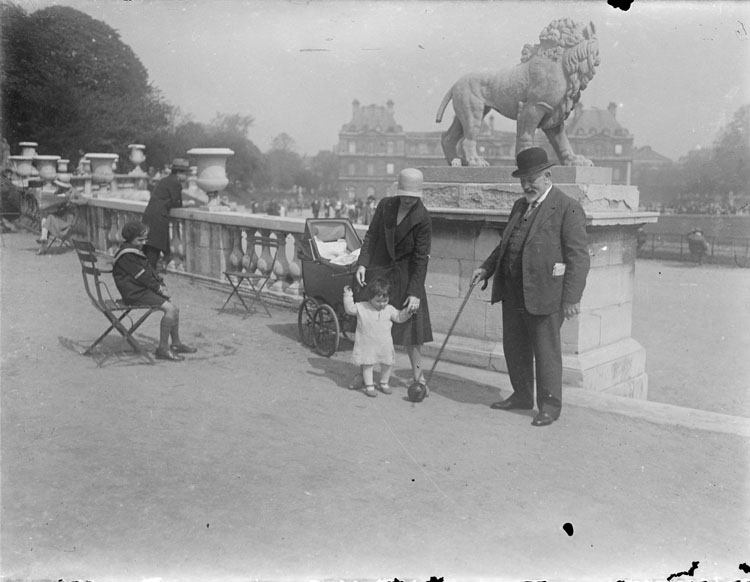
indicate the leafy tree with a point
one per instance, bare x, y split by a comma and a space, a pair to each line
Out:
69, 83
283, 164
325, 166
731, 155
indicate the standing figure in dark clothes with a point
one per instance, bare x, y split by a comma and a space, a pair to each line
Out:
397, 248
139, 284
167, 194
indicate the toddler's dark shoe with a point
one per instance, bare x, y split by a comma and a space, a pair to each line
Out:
183, 349
370, 391
161, 354
385, 388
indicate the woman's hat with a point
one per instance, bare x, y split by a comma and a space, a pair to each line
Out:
531, 161
410, 183
180, 165
60, 184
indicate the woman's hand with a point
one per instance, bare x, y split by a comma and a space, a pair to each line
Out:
411, 304
360, 276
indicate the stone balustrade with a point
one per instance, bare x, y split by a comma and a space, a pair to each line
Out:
204, 244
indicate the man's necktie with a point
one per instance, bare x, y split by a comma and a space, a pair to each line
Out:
530, 208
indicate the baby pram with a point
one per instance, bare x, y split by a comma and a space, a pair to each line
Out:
328, 251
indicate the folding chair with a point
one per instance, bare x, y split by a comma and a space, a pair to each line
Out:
115, 310
257, 281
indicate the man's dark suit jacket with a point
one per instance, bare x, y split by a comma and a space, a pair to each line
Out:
557, 235
166, 195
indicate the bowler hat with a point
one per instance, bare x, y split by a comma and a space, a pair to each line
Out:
180, 165
531, 161
410, 183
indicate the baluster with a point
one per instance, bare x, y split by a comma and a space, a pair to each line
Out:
281, 268
265, 258
250, 251
295, 269
249, 260
235, 257
114, 238
176, 247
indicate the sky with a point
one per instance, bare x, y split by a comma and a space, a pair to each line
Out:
677, 70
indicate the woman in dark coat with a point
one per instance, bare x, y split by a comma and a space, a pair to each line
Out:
397, 247
166, 195
139, 284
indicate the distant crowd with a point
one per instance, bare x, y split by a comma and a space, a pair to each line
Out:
714, 208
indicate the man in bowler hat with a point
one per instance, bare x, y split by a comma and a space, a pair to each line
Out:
539, 272
167, 194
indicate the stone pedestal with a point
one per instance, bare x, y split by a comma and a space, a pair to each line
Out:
470, 208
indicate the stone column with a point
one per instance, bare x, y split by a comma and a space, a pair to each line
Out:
470, 209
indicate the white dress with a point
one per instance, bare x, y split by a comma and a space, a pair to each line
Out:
373, 343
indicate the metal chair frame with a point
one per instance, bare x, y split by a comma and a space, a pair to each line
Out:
115, 310
257, 281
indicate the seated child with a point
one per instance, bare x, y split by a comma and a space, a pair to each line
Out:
373, 343
139, 284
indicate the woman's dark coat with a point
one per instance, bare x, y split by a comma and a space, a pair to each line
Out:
400, 254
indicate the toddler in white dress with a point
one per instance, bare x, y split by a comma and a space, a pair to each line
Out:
373, 343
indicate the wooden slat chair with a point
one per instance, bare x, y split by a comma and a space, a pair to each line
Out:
115, 310
257, 281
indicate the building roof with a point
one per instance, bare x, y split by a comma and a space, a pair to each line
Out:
372, 118
646, 154
595, 121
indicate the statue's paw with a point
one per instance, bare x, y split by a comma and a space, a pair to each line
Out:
456, 163
576, 160
479, 162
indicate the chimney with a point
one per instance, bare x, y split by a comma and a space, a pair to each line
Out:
389, 105
612, 108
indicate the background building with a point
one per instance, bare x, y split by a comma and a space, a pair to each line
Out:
373, 148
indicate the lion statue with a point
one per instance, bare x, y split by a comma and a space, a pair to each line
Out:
539, 92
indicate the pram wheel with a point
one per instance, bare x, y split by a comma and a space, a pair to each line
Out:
325, 330
305, 321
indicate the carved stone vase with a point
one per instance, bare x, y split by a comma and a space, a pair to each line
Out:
137, 157
62, 171
102, 169
28, 149
47, 167
22, 166
212, 174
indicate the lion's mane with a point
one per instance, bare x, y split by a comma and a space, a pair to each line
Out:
564, 39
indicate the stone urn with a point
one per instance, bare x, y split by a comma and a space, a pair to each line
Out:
47, 167
22, 166
102, 168
28, 149
62, 171
137, 157
211, 171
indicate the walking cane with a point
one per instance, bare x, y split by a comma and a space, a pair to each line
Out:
416, 391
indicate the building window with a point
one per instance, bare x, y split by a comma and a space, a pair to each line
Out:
389, 147
352, 170
390, 169
370, 169
616, 174
352, 147
618, 149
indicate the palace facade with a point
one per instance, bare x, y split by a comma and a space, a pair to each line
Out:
373, 147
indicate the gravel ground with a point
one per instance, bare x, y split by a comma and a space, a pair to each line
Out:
252, 460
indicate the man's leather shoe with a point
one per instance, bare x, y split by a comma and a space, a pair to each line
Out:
510, 404
183, 349
543, 419
167, 355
